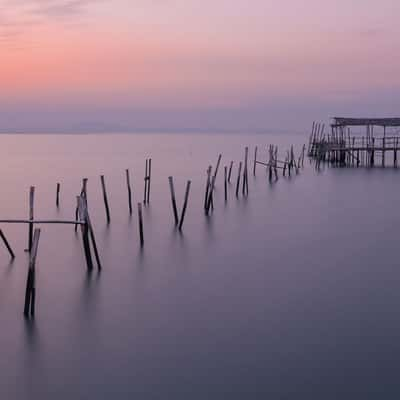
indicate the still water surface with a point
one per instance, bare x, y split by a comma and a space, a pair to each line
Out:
290, 293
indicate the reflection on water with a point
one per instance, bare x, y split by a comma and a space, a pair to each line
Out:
290, 292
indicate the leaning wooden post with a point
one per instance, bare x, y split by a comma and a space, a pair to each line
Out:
210, 194
85, 231
128, 184
255, 161
245, 186
93, 239
84, 196
172, 190
77, 213
31, 204
230, 172
238, 179
30, 292
184, 205
145, 182
276, 162
84, 188
58, 195
226, 183
208, 182
149, 182
3, 236
91, 235
284, 166
103, 186
140, 224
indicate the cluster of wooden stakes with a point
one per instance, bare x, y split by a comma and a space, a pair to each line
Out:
82, 217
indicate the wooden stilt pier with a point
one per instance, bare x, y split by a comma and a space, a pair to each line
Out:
344, 148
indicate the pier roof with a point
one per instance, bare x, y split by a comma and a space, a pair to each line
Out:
339, 121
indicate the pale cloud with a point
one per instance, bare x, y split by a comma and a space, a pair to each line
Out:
17, 16
59, 8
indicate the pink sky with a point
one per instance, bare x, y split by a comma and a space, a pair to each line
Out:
176, 63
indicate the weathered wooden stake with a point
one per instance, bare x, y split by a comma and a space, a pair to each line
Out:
145, 182
210, 194
226, 183
77, 213
3, 236
84, 196
208, 183
103, 186
85, 231
238, 179
230, 172
58, 195
140, 224
245, 186
31, 204
184, 204
128, 184
30, 292
92, 237
172, 190
255, 161
149, 182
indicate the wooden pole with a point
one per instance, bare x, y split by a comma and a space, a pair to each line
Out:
172, 190
30, 292
128, 184
84, 196
58, 195
210, 194
184, 204
3, 236
77, 213
140, 224
245, 187
145, 182
208, 183
230, 172
92, 237
85, 231
238, 179
255, 161
103, 186
84, 188
149, 182
31, 205
226, 183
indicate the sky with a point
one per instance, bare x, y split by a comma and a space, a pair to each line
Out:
195, 65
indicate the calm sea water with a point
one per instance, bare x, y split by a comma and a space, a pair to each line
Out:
290, 293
